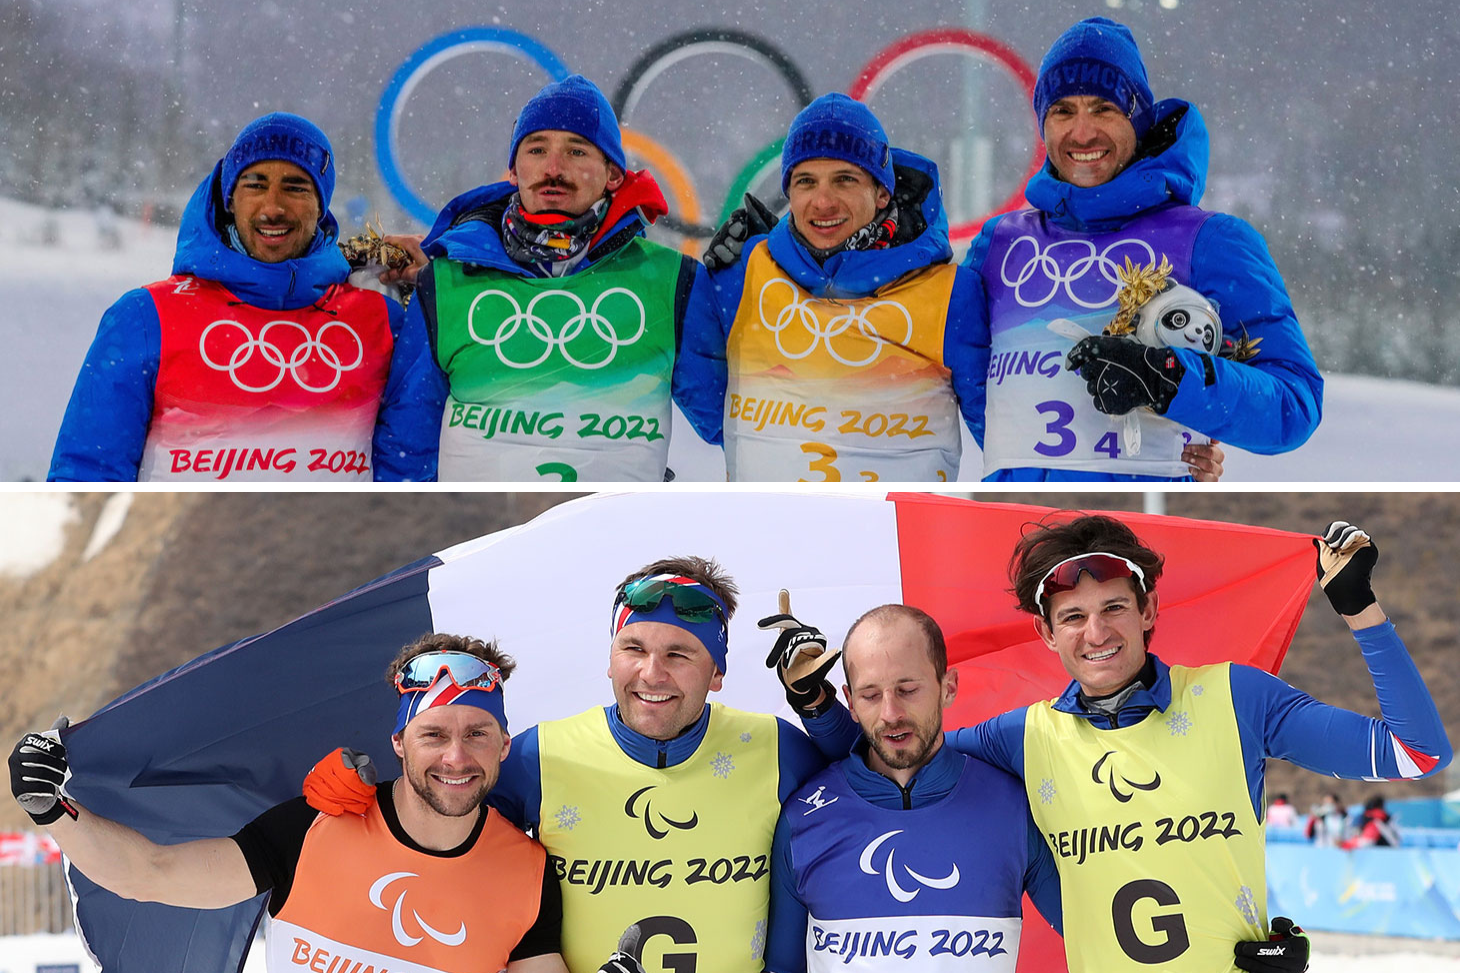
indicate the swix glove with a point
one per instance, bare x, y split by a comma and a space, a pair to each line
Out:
39, 771
1285, 951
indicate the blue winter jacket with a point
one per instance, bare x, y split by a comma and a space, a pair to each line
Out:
701, 374
105, 427
1270, 404
478, 242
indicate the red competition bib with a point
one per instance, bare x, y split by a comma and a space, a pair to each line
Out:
246, 394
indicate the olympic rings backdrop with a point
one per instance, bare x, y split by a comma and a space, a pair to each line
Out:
689, 214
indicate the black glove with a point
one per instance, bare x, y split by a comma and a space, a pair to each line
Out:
752, 219
1346, 559
1285, 951
801, 659
625, 959
1121, 374
38, 774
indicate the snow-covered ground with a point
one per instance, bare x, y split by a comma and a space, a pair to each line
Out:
1331, 954
1373, 429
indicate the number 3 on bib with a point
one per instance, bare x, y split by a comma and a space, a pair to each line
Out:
824, 457
1064, 437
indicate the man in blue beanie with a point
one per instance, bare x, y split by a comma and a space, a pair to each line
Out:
554, 324
256, 360
1122, 181
841, 344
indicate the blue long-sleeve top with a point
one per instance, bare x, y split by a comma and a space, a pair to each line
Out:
701, 372
104, 430
518, 791
1274, 719
934, 782
1269, 404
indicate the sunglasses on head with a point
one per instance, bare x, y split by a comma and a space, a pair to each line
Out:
692, 601
465, 671
1099, 565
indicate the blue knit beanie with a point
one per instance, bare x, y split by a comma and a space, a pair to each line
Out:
575, 105
837, 127
1096, 57
289, 138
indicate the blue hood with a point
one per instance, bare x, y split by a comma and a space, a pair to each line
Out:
480, 243
857, 273
1176, 175
202, 251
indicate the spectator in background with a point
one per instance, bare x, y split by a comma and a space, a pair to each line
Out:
1377, 828
1326, 822
1281, 813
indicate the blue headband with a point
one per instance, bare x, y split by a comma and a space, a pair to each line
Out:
444, 692
713, 635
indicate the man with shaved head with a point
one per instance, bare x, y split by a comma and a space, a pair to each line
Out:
966, 848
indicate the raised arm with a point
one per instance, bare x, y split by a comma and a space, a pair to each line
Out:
1407, 741
207, 874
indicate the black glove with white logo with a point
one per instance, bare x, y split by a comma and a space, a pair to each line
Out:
752, 219
625, 959
1121, 374
800, 657
1346, 559
1285, 951
38, 775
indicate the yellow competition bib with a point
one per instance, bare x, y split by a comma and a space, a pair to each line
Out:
683, 851
846, 389
1160, 854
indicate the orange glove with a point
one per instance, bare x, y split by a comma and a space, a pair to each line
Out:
343, 782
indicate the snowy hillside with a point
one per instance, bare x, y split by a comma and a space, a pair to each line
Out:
60, 275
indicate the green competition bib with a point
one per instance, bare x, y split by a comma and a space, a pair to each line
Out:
562, 378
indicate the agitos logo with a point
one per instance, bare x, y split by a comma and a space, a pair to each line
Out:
1114, 776
631, 808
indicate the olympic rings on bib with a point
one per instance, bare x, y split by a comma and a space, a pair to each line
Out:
915, 47
312, 345
804, 312
541, 329
1088, 290
651, 65
430, 56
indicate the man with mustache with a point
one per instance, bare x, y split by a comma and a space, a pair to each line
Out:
906, 851
256, 360
428, 878
553, 323
1122, 181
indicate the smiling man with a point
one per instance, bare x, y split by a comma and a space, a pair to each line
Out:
957, 828
1107, 764
657, 811
1122, 181
256, 360
553, 323
842, 346
480, 892
1160, 868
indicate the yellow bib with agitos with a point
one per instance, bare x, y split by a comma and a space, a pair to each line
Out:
682, 851
1160, 853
